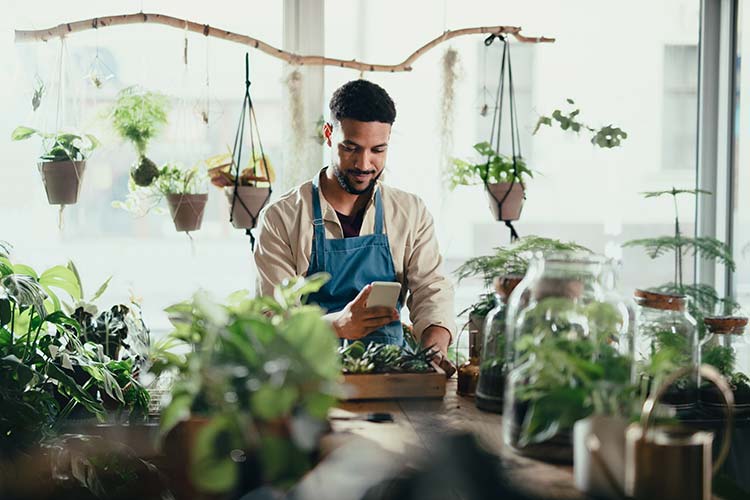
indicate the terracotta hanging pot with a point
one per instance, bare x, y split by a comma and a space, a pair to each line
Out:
187, 210
62, 180
250, 201
512, 204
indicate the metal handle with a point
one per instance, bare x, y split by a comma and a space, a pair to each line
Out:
712, 374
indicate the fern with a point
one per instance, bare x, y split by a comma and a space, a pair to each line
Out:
512, 259
138, 116
674, 192
705, 246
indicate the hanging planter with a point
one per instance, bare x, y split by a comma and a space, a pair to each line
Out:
63, 163
252, 191
503, 177
249, 190
187, 210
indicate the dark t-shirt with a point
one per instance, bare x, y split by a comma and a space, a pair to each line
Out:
351, 224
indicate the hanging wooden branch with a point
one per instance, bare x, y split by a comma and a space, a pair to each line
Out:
290, 57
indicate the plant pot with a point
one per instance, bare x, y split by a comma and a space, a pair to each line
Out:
62, 180
250, 201
187, 210
513, 203
590, 474
557, 449
491, 387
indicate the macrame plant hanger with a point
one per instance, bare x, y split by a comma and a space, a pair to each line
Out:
497, 120
248, 111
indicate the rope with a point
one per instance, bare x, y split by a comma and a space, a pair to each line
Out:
495, 132
248, 112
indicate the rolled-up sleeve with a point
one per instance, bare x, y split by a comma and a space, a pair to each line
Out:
273, 254
431, 295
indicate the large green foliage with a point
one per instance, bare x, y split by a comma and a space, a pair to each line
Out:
47, 369
253, 362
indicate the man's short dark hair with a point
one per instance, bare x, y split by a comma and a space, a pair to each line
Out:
362, 101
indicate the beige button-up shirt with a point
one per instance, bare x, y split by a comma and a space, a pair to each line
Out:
284, 245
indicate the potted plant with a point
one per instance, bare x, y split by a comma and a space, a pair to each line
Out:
183, 188
703, 299
253, 187
605, 137
252, 393
63, 163
48, 371
723, 356
503, 177
138, 116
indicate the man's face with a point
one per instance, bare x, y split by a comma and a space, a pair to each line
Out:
358, 153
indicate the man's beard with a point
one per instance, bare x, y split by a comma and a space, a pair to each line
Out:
346, 186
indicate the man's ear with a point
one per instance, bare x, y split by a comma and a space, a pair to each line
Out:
327, 132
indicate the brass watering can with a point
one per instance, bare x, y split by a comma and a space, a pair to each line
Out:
670, 463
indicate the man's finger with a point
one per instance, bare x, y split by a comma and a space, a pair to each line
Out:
361, 298
378, 312
376, 323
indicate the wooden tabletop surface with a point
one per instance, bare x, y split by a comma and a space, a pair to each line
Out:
417, 423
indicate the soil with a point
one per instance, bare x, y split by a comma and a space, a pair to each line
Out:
558, 449
491, 389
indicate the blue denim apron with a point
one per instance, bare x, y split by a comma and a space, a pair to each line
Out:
353, 263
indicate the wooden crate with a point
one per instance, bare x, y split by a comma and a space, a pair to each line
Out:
396, 385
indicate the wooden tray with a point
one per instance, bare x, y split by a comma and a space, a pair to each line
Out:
396, 385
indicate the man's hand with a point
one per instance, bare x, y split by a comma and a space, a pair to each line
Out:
440, 338
357, 320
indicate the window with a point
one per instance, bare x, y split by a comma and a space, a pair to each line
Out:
680, 107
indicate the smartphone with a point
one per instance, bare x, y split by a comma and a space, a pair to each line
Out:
384, 293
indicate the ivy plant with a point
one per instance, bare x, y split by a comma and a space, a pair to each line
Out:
606, 137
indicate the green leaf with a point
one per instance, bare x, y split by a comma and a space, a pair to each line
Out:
63, 278
570, 101
21, 133
74, 390
178, 410
270, 403
211, 467
101, 289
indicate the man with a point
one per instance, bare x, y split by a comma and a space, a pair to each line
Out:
347, 223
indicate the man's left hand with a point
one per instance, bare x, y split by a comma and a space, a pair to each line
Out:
440, 338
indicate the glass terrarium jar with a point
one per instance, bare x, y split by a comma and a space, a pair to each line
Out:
491, 384
727, 347
567, 346
666, 339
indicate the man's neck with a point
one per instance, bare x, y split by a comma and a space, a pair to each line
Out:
341, 200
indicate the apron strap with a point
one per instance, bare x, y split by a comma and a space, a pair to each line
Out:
378, 212
319, 230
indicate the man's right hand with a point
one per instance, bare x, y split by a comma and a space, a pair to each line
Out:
356, 320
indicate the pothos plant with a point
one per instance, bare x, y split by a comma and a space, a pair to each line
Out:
59, 146
47, 368
138, 116
605, 137
494, 168
254, 364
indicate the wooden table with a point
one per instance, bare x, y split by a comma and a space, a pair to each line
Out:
417, 424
